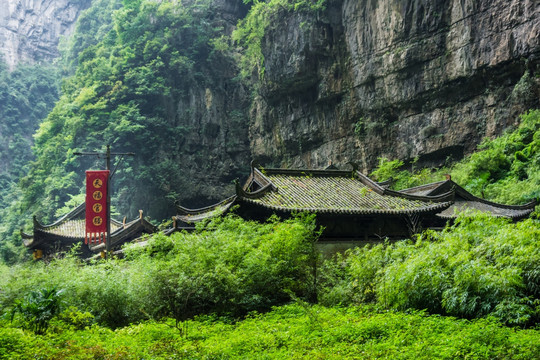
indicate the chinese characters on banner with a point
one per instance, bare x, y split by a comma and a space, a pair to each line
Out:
96, 206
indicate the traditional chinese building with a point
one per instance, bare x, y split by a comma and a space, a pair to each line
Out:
466, 202
69, 230
349, 205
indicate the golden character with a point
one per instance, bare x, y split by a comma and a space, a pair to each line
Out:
97, 195
97, 183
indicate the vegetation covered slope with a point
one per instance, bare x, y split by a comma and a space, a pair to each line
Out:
505, 169
135, 87
27, 94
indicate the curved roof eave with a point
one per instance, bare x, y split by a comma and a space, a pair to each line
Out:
434, 208
468, 196
70, 215
187, 211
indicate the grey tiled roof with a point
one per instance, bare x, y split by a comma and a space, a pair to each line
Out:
319, 191
71, 228
467, 202
465, 205
75, 228
336, 192
190, 216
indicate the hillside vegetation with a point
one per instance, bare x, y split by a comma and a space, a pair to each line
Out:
188, 295
122, 94
505, 169
27, 94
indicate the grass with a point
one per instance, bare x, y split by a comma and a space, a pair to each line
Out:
291, 331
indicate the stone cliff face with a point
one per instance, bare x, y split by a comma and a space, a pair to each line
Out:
359, 80
30, 29
394, 78
211, 126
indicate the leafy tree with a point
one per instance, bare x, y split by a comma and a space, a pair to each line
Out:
126, 92
27, 94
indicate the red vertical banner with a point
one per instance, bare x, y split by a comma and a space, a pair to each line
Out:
96, 206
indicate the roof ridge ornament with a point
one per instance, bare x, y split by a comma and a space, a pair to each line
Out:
253, 164
238, 187
331, 166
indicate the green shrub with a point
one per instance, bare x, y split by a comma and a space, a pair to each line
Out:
481, 266
287, 332
229, 266
352, 278
37, 309
76, 319
335, 282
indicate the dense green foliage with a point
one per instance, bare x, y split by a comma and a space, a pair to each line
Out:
125, 92
91, 28
289, 332
506, 169
480, 266
27, 94
229, 267
37, 309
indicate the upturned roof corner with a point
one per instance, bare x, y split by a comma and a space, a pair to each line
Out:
70, 229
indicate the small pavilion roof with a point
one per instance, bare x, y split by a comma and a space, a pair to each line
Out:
326, 191
71, 228
465, 201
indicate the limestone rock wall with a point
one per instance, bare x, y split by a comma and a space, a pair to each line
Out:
359, 80
395, 78
211, 122
30, 29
